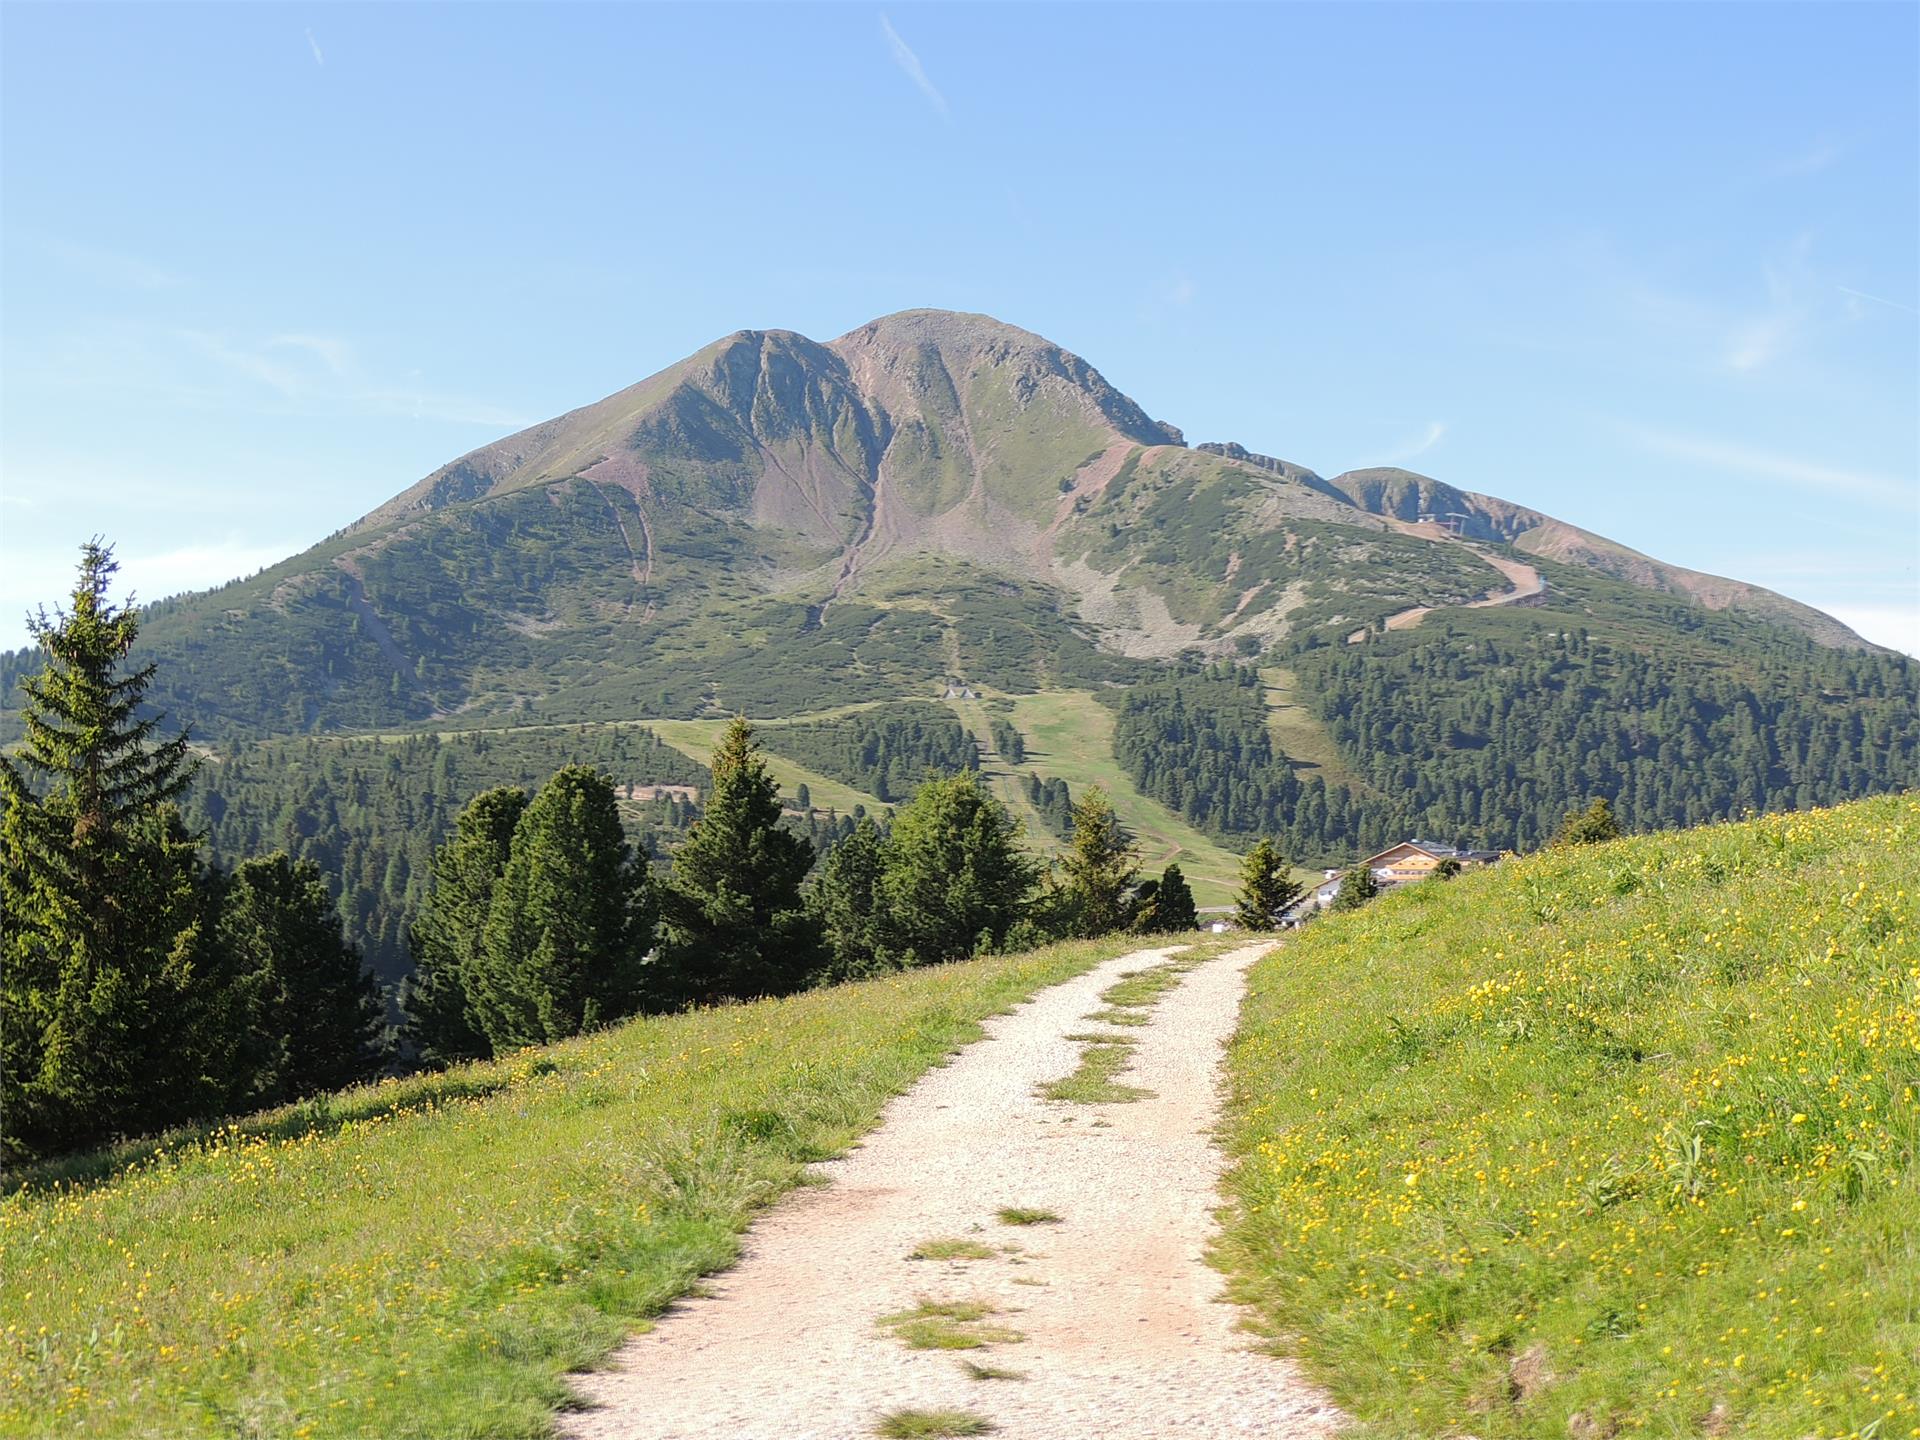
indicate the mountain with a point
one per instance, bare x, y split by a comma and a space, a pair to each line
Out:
931, 496
938, 508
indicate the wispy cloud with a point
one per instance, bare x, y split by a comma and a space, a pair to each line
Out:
1760, 339
314, 45
1181, 292
335, 354
323, 372
909, 63
1810, 159
1746, 460
1432, 435
1877, 299
1757, 343
111, 267
252, 364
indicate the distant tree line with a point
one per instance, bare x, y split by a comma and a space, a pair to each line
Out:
369, 812
733, 918
886, 751
1490, 733
1199, 742
1052, 799
1008, 740
1488, 739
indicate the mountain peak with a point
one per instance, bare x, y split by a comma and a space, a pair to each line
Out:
905, 356
958, 328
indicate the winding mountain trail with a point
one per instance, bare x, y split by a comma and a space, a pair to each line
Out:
1524, 582
1122, 1334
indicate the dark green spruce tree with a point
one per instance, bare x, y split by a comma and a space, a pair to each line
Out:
733, 925
1267, 888
317, 1016
1099, 868
1593, 826
567, 934
447, 938
118, 1013
956, 879
845, 900
1357, 887
1165, 906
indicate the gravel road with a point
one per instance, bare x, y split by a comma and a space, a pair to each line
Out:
1125, 1338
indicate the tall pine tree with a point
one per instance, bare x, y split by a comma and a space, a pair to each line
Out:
1267, 888
733, 925
956, 879
571, 922
1166, 905
845, 899
317, 1016
1593, 826
448, 936
1099, 867
117, 1012
1357, 887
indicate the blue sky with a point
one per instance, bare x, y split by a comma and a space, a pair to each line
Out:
1651, 269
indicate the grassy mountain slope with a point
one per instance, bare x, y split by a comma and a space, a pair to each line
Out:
696, 739
1618, 1140
460, 1241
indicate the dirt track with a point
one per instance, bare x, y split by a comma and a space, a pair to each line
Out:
1124, 1336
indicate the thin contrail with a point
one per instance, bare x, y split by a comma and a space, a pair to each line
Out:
1877, 299
904, 57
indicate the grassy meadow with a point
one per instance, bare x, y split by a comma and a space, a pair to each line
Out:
1070, 734
1611, 1141
429, 1257
696, 738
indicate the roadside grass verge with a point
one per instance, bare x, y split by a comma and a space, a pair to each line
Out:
1616, 1140
430, 1257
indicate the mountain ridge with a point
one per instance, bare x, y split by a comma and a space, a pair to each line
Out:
866, 445
931, 497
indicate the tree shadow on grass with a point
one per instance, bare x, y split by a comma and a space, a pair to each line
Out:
320, 1115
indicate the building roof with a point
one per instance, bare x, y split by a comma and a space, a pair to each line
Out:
1437, 850
1428, 847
